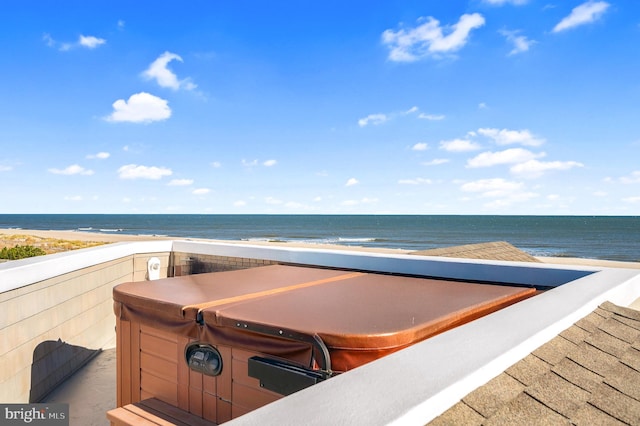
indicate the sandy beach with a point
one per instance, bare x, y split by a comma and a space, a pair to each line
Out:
11, 237
78, 236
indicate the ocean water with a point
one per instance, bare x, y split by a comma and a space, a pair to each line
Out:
599, 237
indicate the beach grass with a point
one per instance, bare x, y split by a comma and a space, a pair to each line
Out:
49, 245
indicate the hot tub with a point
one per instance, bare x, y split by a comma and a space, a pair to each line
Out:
221, 344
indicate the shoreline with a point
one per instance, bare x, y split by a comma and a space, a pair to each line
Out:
118, 237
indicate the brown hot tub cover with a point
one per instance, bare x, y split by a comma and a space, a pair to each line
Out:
358, 317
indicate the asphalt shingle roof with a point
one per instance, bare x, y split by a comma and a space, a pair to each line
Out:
497, 250
587, 375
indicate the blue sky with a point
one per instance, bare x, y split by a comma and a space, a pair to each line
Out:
404, 107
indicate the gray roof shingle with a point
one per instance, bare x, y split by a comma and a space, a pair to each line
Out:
496, 250
589, 374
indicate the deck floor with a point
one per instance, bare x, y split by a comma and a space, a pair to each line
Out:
91, 391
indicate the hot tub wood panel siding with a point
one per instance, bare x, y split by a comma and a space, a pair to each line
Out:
196, 391
158, 387
247, 393
151, 365
158, 365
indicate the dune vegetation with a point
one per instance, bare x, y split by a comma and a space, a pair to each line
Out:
30, 245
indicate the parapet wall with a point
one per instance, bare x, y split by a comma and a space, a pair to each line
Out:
51, 328
197, 263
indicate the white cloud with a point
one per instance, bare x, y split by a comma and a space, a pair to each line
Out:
239, 203
254, 163
351, 182
272, 200
216, 164
416, 181
600, 194
48, 40
365, 200
91, 42
295, 205
632, 200
509, 156
201, 191
634, 177
508, 137
431, 117
140, 108
482, 105
5, 168
535, 168
159, 71
435, 162
428, 39
73, 198
374, 119
121, 24
520, 43
74, 169
180, 182
517, 197
133, 171
420, 146
585, 13
496, 187
459, 145
99, 156
502, 192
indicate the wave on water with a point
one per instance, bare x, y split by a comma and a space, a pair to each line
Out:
92, 229
546, 252
602, 237
356, 240
310, 240
265, 240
